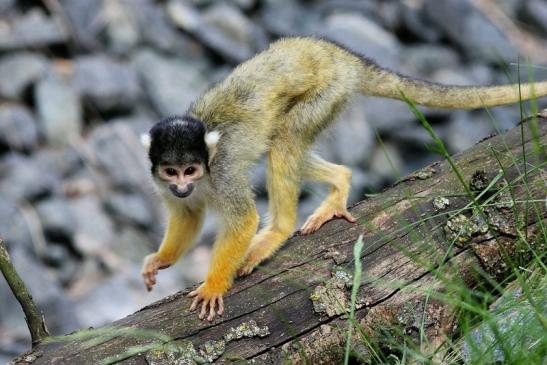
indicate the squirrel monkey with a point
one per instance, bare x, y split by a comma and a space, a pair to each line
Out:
275, 103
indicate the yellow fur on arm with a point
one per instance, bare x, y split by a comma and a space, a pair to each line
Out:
229, 252
183, 227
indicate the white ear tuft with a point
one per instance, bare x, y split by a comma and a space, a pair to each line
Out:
145, 140
211, 139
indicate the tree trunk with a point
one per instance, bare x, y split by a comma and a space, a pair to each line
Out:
293, 309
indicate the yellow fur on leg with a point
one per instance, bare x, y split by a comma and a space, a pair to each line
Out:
334, 206
229, 252
283, 188
183, 226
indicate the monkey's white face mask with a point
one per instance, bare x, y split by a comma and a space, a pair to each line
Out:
181, 180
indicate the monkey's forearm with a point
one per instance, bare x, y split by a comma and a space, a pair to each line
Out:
183, 226
229, 252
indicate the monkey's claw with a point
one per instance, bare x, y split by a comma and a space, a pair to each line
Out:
152, 264
208, 298
321, 216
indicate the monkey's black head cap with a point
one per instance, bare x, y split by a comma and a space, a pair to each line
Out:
177, 141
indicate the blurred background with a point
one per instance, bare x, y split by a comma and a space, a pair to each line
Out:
80, 80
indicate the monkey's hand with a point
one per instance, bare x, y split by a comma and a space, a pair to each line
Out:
209, 298
152, 263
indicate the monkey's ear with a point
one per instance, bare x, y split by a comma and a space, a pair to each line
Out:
145, 140
211, 140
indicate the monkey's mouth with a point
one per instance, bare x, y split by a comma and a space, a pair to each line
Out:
181, 193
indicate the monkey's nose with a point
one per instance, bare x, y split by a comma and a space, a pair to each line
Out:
181, 193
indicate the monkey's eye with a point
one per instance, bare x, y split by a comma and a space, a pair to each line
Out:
171, 171
190, 170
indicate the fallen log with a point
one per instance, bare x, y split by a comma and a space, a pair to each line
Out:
419, 236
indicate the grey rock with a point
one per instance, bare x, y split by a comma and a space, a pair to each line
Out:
364, 37
126, 294
386, 161
33, 29
385, 114
14, 227
470, 29
290, 18
116, 145
133, 244
170, 83
536, 11
64, 162
94, 230
504, 117
466, 129
18, 71
413, 19
57, 220
12, 322
361, 182
222, 27
121, 26
59, 109
110, 85
7, 6
421, 60
57, 255
158, 31
511, 7
515, 318
86, 22
58, 310
414, 135
475, 74
244, 4
18, 129
226, 30
23, 179
183, 15
130, 209
352, 136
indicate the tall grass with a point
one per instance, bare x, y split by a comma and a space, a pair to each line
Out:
501, 320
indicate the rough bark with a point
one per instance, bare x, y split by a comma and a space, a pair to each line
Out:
411, 255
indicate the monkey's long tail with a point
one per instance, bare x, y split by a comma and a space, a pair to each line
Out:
385, 83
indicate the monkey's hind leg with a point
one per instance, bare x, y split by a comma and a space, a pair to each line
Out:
283, 180
334, 206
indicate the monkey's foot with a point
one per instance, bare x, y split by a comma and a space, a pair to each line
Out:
255, 256
247, 268
208, 298
323, 215
152, 263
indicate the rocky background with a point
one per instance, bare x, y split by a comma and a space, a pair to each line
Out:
81, 79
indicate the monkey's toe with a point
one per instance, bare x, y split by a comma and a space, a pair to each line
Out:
317, 219
245, 270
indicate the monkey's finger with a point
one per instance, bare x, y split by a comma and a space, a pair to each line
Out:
203, 309
194, 303
212, 305
148, 282
220, 306
192, 294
